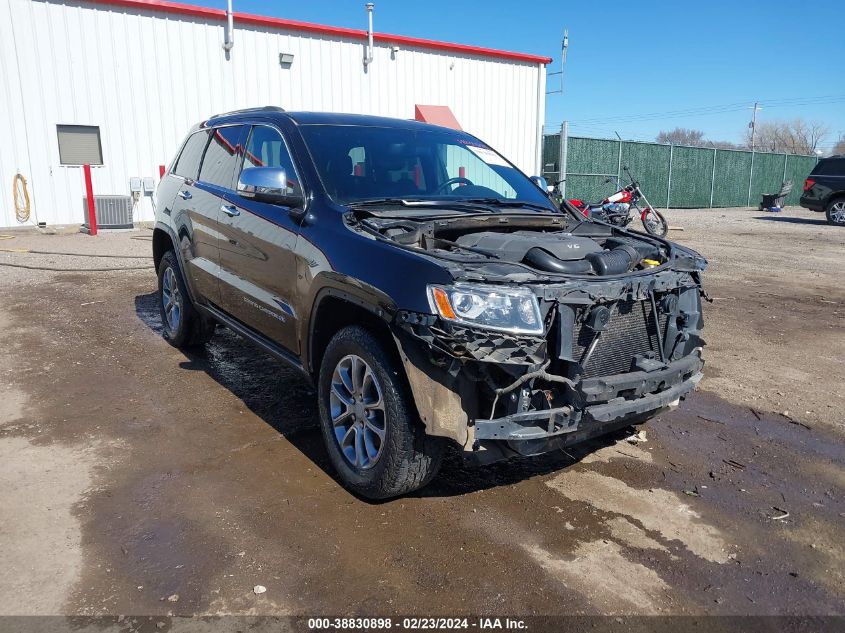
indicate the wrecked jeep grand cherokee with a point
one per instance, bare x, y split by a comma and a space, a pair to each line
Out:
428, 288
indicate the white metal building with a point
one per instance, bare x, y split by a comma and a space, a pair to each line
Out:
138, 73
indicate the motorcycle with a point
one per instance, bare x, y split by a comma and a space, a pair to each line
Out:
616, 209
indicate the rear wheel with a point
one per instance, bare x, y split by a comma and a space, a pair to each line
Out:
182, 325
372, 433
835, 212
654, 222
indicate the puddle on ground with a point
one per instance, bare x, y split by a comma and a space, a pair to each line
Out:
619, 450
626, 532
657, 510
612, 583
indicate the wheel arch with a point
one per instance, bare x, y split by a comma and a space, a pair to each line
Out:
162, 242
835, 197
334, 309
164, 239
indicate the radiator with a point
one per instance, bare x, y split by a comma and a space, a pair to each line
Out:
631, 331
112, 212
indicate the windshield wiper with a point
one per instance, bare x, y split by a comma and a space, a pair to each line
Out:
459, 205
504, 202
376, 201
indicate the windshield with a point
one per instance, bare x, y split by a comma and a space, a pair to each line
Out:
358, 163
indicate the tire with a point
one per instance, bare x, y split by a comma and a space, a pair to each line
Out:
182, 325
394, 455
835, 212
654, 222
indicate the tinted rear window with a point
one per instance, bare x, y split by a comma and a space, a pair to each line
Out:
188, 163
218, 165
830, 167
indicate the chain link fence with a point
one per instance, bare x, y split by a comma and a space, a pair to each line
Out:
672, 176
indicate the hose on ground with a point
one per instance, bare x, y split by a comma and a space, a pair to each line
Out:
21, 196
34, 252
76, 270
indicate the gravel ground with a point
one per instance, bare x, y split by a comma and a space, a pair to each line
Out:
776, 327
140, 479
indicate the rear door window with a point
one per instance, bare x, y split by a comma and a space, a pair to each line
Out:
267, 148
221, 156
188, 163
830, 167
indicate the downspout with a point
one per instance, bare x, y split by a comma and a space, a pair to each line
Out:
368, 57
541, 115
229, 39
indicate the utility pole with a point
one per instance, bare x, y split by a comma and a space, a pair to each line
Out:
563, 46
753, 124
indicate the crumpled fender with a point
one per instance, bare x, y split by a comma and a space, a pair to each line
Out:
445, 402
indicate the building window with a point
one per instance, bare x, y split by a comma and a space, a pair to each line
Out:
80, 145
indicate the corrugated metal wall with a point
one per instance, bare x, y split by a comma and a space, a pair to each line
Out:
674, 176
145, 77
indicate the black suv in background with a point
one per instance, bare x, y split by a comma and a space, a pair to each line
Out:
430, 290
824, 189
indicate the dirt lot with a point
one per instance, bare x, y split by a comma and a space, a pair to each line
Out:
138, 479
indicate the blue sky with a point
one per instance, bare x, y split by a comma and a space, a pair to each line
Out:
629, 63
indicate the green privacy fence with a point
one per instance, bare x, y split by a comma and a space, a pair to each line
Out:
672, 175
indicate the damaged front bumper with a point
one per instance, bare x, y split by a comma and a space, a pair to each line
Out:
535, 432
499, 394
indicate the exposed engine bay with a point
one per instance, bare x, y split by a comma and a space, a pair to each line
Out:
616, 335
541, 243
564, 252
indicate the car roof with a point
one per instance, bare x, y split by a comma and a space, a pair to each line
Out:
320, 118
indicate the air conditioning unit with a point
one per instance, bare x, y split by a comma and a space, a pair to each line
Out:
112, 212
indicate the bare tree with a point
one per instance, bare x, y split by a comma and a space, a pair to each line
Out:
839, 148
693, 138
790, 137
724, 145
682, 136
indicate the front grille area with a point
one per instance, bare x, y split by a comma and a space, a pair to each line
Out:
631, 331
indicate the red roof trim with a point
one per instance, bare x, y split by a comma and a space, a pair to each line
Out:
308, 27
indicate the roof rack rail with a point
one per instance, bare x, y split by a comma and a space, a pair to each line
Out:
267, 108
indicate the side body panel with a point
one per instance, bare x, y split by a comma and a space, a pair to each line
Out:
257, 264
195, 222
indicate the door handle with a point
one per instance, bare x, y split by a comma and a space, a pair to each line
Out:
230, 210
185, 195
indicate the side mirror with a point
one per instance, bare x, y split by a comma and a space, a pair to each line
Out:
540, 182
268, 184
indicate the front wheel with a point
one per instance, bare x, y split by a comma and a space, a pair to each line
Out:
835, 212
654, 222
374, 438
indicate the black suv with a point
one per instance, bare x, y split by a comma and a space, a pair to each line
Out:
430, 290
824, 189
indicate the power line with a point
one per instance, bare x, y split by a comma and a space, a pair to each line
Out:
714, 109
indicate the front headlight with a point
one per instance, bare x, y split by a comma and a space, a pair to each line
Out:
506, 309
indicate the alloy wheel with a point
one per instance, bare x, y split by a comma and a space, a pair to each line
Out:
357, 411
171, 300
837, 212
